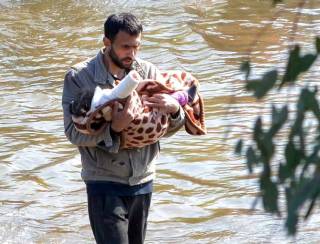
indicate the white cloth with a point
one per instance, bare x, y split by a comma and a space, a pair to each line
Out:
123, 90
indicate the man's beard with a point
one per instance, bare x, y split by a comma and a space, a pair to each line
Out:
117, 61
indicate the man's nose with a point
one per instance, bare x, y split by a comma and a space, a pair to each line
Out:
132, 53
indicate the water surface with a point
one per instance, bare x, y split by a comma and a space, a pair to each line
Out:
203, 193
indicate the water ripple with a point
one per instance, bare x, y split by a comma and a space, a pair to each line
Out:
203, 190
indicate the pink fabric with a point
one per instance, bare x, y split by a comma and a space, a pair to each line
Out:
181, 97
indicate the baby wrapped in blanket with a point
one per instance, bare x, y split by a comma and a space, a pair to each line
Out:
91, 110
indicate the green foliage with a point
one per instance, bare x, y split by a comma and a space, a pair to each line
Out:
276, 1
295, 169
269, 193
278, 117
318, 44
238, 147
245, 67
306, 190
297, 64
262, 86
252, 158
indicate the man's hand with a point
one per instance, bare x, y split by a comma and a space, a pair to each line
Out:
164, 102
121, 119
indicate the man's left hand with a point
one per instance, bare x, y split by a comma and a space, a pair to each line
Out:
164, 102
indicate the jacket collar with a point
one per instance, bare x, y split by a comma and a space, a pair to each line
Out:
101, 75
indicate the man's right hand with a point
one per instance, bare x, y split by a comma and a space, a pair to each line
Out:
121, 119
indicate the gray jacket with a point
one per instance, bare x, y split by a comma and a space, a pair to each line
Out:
101, 158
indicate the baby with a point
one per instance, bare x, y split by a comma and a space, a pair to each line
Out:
95, 108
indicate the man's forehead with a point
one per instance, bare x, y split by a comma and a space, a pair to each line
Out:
125, 37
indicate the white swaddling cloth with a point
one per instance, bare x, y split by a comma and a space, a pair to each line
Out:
123, 90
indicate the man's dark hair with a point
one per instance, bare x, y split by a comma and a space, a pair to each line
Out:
122, 22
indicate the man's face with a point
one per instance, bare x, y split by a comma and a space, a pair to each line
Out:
124, 48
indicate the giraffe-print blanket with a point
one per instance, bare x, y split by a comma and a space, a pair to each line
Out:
151, 123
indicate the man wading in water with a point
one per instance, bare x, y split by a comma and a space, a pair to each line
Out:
119, 181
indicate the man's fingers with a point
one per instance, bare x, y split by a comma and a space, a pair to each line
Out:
115, 107
151, 104
153, 99
158, 95
128, 103
116, 103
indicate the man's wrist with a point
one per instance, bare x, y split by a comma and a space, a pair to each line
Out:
114, 131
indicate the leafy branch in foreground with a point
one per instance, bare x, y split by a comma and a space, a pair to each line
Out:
295, 168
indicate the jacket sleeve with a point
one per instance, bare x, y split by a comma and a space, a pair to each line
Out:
70, 89
176, 123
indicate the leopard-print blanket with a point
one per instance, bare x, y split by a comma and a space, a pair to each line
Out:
151, 124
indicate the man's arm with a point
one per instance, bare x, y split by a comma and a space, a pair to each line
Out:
169, 105
70, 89
177, 118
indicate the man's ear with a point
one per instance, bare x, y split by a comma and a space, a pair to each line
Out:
106, 42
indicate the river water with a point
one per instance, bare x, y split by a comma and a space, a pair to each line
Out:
203, 192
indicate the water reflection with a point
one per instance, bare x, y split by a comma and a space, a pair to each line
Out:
203, 192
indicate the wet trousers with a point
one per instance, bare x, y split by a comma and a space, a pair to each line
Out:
119, 219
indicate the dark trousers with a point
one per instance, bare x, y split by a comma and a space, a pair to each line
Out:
119, 219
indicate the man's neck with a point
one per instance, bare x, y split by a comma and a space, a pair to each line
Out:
112, 68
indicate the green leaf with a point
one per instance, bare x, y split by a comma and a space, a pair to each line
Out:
318, 44
307, 189
289, 193
279, 117
261, 87
245, 67
312, 158
276, 1
306, 61
311, 206
297, 65
257, 130
310, 101
283, 173
263, 141
292, 70
291, 223
270, 194
293, 157
238, 148
266, 147
251, 158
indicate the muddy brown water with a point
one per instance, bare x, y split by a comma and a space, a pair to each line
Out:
203, 193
